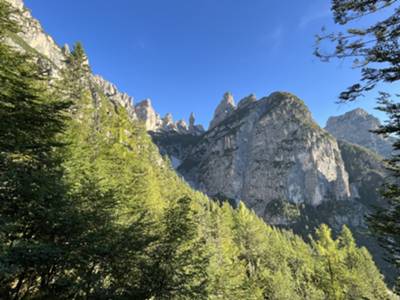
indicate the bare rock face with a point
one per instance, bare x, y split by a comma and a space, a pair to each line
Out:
247, 101
224, 109
265, 151
194, 129
33, 36
355, 127
168, 123
52, 57
146, 113
182, 127
115, 96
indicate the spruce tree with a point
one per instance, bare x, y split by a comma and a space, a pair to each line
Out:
34, 214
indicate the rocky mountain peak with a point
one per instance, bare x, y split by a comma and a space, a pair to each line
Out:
355, 115
168, 123
146, 113
168, 119
267, 151
223, 110
359, 112
182, 126
192, 120
355, 127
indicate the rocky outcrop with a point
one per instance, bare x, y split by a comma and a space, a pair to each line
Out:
154, 123
247, 101
115, 96
33, 36
194, 129
355, 127
146, 113
224, 109
52, 57
267, 150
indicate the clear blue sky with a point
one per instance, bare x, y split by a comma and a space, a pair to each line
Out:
184, 54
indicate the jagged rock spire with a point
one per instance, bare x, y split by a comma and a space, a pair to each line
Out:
224, 109
181, 126
146, 113
192, 120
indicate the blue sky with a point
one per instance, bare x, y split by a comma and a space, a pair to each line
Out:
184, 54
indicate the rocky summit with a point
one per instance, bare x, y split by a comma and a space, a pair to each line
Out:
271, 155
267, 150
357, 127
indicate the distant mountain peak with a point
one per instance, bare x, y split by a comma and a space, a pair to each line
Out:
356, 127
358, 112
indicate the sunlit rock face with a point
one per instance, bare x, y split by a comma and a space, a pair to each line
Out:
148, 115
225, 109
355, 127
115, 96
267, 150
33, 35
52, 57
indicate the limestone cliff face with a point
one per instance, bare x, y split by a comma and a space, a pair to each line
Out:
115, 96
355, 127
34, 35
224, 109
268, 150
